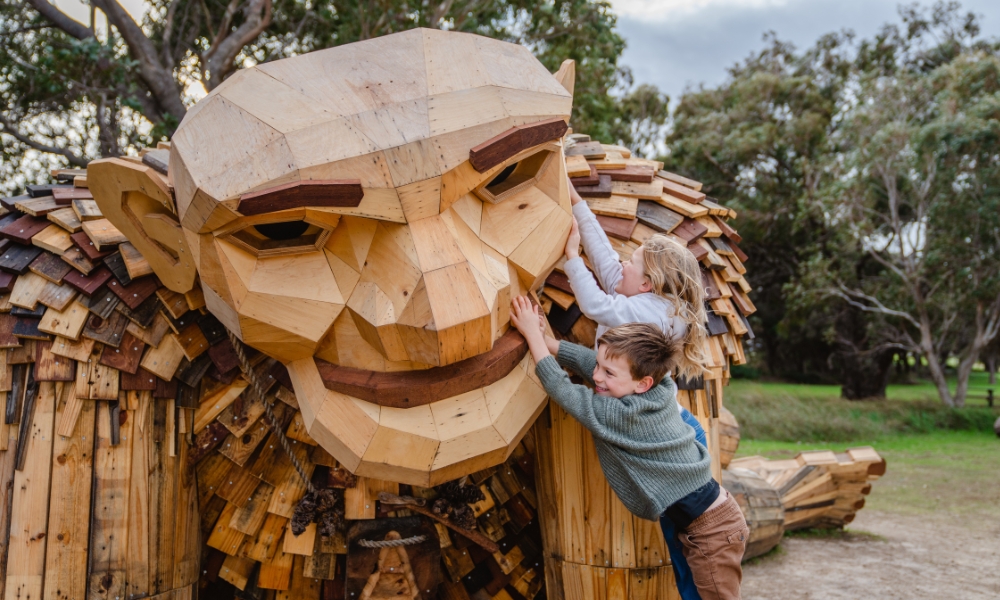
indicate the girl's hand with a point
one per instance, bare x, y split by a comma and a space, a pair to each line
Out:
573, 243
574, 198
524, 316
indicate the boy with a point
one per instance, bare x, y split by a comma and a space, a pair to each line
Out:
647, 452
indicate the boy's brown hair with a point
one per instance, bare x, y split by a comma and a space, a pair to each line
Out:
647, 350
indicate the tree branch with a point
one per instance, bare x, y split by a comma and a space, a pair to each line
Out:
159, 79
27, 141
62, 20
875, 306
256, 18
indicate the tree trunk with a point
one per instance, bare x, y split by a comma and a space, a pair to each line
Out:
991, 368
936, 369
865, 375
964, 371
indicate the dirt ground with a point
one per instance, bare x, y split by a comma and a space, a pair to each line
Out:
895, 556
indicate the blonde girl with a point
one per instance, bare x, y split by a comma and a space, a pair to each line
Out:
660, 284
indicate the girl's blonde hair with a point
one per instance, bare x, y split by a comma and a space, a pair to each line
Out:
676, 276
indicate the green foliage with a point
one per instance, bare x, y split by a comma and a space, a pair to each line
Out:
70, 100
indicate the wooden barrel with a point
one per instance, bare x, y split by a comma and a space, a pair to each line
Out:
761, 506
729, 436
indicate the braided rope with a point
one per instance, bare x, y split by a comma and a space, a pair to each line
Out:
410, 541
258, 390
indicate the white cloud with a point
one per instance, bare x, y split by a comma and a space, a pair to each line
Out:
664, 10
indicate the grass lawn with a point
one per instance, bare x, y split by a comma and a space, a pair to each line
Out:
941, 461
944, 473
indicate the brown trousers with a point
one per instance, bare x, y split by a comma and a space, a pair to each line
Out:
713, 545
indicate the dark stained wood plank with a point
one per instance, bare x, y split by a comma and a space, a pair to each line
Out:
698, 250
736, 250
108, 331
135, 293
17, 258
6, 282
711, 288
88, 284
617, 228
86, 245
116, 263
7, 339
65, 196
52, 367
223, 356
727, 230
559, 281
126, 356
102, 303
657, 216
601, 190
335, 192
23, 229
44, 189
50, 267
690, 230
75, 258
143, 315
26, 328
415, 388
495, 150
591, 179
141, 380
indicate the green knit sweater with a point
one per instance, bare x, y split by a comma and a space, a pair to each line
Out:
647, 452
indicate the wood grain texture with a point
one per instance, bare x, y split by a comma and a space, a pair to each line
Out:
407, 389
344, 193
508, 144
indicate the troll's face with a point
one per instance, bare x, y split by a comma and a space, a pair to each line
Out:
365, 214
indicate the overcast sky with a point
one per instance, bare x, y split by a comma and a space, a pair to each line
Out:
675, 44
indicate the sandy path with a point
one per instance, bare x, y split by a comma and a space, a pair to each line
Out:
916, 559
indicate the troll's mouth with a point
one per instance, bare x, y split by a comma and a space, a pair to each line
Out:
407, 389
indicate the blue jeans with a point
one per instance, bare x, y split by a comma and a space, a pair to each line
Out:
682, 572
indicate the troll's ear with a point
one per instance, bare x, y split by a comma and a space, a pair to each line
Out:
137, 200
566, 75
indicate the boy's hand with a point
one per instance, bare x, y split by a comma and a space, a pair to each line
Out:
525, 317
573, 243
574, 197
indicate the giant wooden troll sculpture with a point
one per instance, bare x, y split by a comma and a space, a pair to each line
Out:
272, 359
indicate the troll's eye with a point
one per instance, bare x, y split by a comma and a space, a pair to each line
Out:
287, 230
514, 178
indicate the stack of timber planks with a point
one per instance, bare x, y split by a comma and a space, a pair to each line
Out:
820, 489
96, 364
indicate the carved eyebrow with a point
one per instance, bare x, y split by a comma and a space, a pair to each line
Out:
494, 151
341, 193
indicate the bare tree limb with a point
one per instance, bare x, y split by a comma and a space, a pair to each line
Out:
158, 78
256, 17
875, 306
62, 20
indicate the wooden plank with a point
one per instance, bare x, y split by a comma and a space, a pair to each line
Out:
162, 503
29, 518
633, 173
67, 195
87, 210
57, 296
109, 543
7, 473
69, 508
88, 284
23, 229
300, 194
77, 350
84, 243
103, 233
50, 267
616, 227
682, 191
66, 218
657, 216
68, 323
16, 258
679, 179
603, 189
38, 207
137, 558
687, 209
621, 207
53, 238
75, 258
52, 367
108, 331
126, 356
164, 360
644, 191
26, 290
136, 292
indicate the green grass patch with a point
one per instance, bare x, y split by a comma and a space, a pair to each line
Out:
940, 474
816, 413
